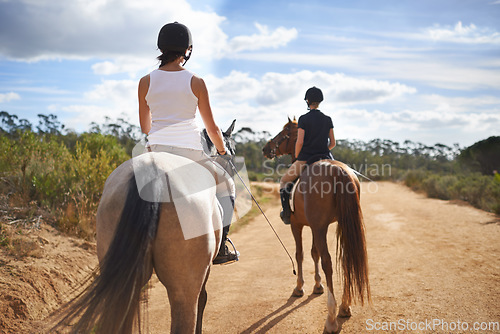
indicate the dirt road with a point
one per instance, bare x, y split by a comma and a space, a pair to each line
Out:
434, 267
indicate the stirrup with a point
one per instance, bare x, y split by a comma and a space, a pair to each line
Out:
234, 248
228, 257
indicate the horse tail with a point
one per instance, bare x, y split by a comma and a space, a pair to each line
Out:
110, 304
351, 244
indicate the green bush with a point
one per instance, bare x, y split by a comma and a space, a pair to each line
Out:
414, 179
440, 186
481, 191
68, 184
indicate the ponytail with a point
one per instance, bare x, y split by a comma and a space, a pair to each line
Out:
168, 57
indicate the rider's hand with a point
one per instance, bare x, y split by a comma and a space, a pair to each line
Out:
224, 156
224, 159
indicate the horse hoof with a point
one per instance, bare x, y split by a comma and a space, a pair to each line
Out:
327, 332
318, 290
337, 331
298, 292
345, 312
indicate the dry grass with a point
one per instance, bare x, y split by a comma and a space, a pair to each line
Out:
266, 194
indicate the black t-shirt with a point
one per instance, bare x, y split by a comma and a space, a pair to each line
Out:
317, 133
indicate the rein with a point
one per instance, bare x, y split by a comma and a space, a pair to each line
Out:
262, 211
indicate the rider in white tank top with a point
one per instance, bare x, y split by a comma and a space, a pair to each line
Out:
168, 100
173, 109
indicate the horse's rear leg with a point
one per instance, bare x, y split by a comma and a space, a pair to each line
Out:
299, 256
182, 267
185, 284
318, 287
344, 311
202, 302
320, 240
345, 308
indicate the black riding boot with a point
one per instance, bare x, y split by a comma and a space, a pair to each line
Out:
225, 256
285, 203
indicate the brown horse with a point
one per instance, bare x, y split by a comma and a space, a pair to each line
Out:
141, 227
327, 191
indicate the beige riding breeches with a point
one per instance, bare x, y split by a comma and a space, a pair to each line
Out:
292, 173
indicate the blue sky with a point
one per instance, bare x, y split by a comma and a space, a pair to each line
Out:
427, 71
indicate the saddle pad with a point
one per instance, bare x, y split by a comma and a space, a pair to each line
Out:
165, 177
292, 195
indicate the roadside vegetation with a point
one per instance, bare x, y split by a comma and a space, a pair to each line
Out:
59, 176
48, 170
440, 171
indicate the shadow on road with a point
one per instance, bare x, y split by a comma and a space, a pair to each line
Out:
273, 318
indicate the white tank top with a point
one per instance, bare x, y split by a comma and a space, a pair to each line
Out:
173, 108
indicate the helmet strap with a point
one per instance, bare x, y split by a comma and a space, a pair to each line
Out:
187, 55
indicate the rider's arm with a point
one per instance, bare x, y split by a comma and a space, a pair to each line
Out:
299, 142
332, 140
144, 112
200, 91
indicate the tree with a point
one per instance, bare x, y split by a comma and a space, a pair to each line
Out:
483, 156
49, 124
11, 123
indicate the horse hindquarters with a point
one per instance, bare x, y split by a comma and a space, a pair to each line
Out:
111, 303
333, 194
183, 265
320, 214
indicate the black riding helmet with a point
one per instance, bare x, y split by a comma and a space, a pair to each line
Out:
175, 37
314, 94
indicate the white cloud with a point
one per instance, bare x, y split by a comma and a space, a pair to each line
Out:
7, 97
484, 104
265, 99
264, 39
45, 29
470, 34
236, 87
265, 102
123, 34
131, 65
438, 73
110, 98
276, 88
402, 65
119, 92
430, 126
459, 33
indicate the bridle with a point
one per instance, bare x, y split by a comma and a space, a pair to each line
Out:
275, 145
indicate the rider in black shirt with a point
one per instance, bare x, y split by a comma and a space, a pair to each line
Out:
315, 139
